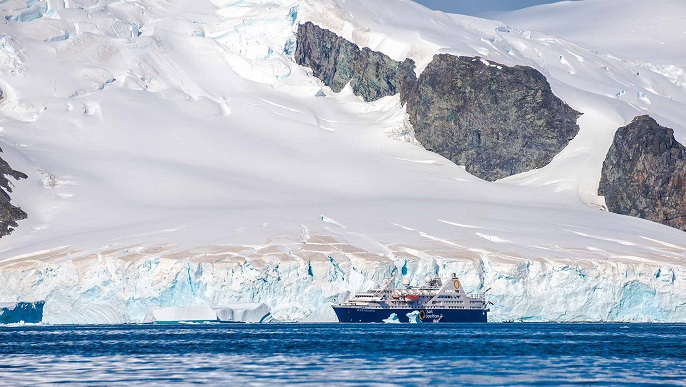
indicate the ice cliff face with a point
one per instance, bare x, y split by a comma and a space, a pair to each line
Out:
21, 312
495, 120
298, 285
644, 174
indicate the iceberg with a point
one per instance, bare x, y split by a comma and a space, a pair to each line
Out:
414, 317
249, 312
233, 313
194, 313
392, 319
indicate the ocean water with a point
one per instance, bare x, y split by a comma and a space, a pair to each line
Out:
345, 354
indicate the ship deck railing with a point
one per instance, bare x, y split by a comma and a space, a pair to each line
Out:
477, 296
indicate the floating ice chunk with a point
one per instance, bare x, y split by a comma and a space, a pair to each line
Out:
175, 314
392, 319
414, 317
247, 312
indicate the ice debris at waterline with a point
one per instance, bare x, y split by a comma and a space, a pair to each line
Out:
21, 312
239, 313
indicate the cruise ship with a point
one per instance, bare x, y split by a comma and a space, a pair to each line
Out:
434, 302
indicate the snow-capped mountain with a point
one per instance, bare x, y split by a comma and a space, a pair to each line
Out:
177, 154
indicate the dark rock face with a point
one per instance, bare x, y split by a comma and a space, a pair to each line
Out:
495, 120
9, 214
336, 62
644, 174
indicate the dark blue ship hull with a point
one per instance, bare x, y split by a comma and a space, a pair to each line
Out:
28, 312
362, 315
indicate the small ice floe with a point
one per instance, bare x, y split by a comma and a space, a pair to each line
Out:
624, 327
414, 317
392, 319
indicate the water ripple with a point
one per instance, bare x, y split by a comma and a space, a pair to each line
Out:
315, 354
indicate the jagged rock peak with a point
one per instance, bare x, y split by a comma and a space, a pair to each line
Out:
9, 214
495, 120
337, 62
644, 174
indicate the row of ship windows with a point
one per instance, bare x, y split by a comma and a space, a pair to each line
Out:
448, 302
448, 296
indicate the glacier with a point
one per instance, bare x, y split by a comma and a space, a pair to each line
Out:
295, 288
178, 157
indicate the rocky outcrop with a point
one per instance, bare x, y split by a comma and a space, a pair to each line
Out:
337, 62
644, 174
9, 214
495, 120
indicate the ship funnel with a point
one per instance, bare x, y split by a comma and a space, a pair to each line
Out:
454, 275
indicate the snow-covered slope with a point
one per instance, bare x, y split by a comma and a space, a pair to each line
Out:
652, 31
177, 156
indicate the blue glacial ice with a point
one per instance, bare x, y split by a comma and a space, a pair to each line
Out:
303, 287
21, 312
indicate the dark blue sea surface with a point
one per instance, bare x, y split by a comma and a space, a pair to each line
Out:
340, 354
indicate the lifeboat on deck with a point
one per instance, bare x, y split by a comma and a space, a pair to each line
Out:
412, 298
